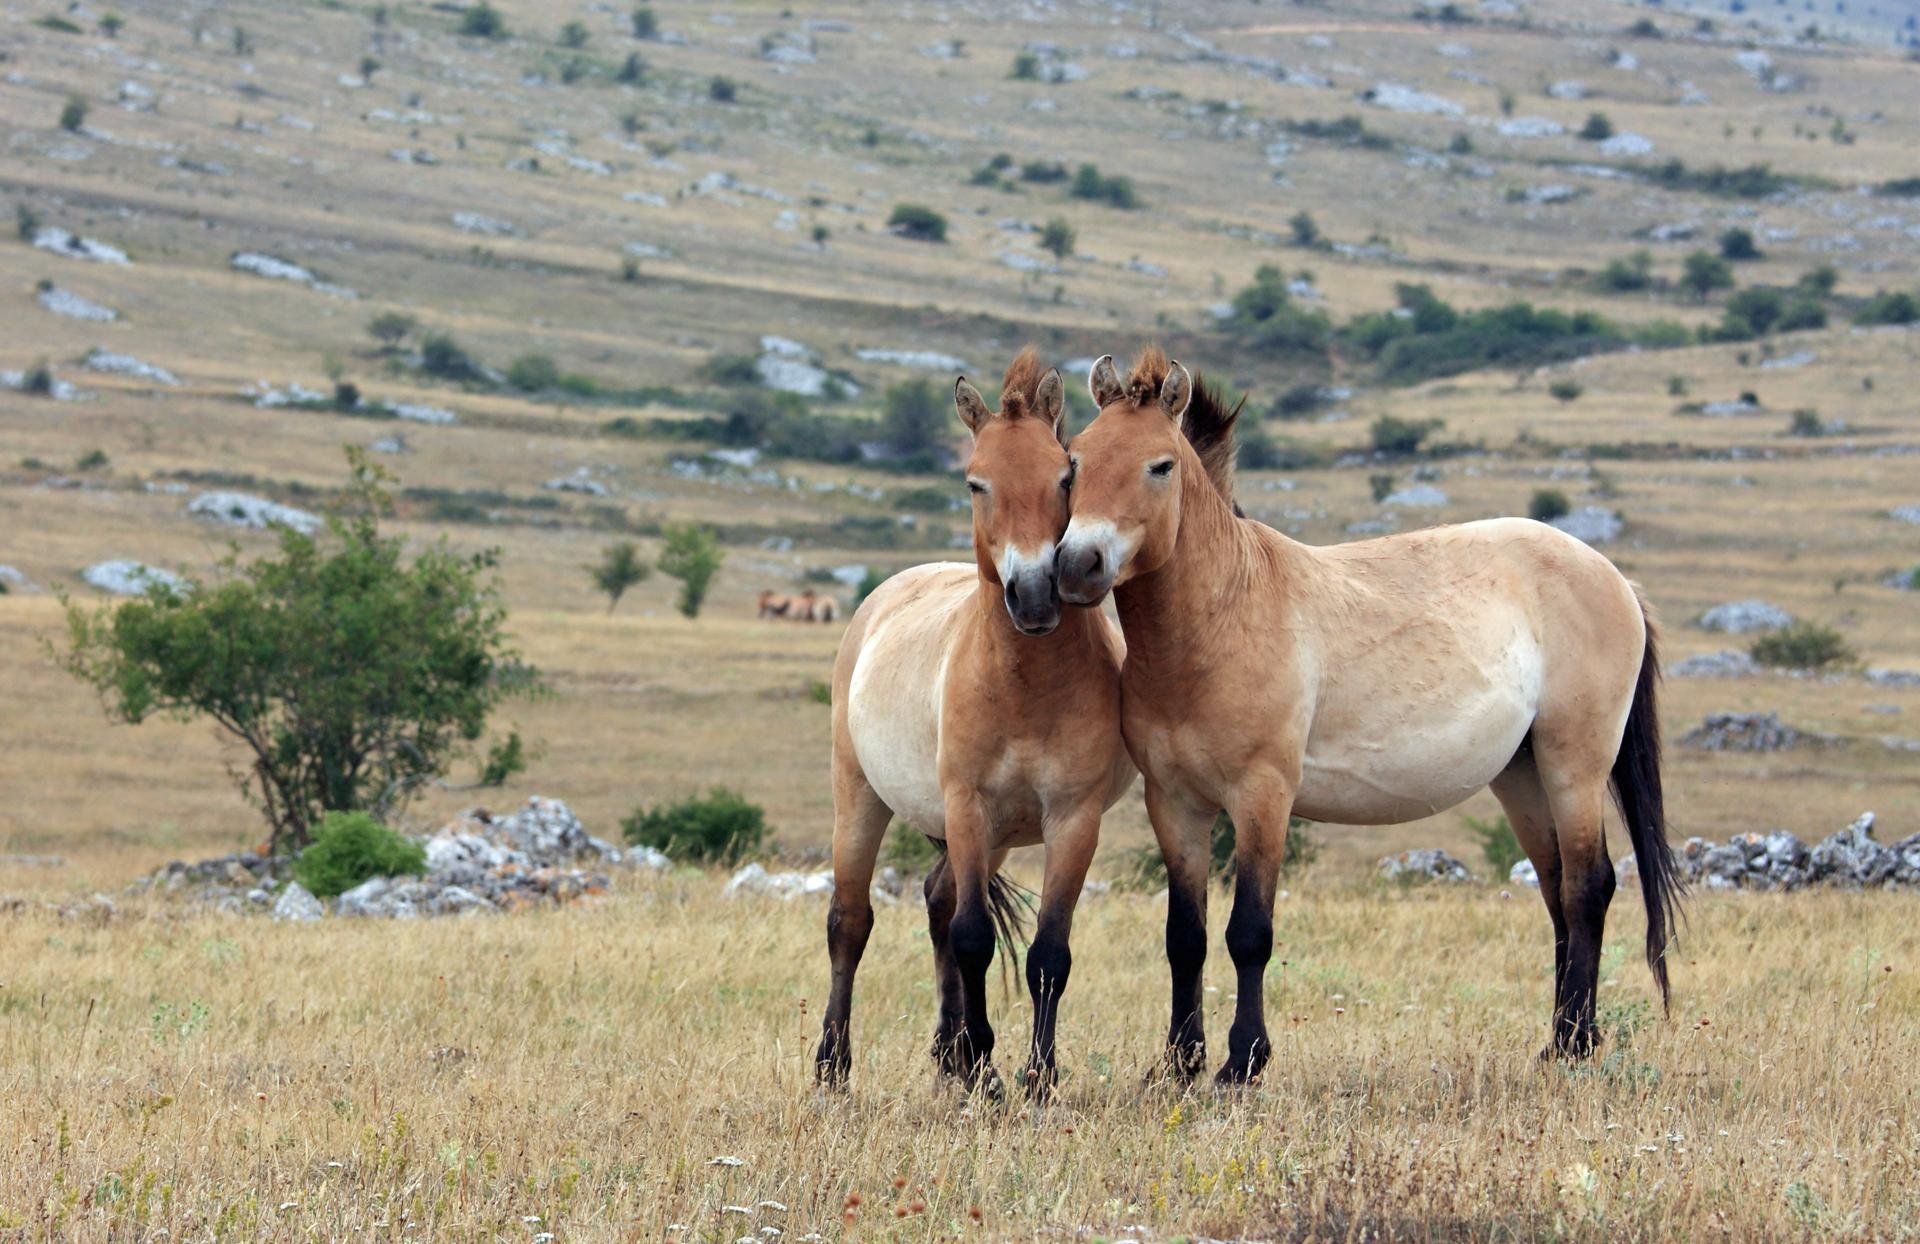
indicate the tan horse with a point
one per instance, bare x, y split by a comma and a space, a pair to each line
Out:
1363, 684
966, 704
774, 605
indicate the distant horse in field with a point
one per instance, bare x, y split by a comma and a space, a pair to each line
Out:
824, 609
774, 605
968, 705
1363, 684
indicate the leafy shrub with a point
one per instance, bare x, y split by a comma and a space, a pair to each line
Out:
1381, 485
1304, 229
1898, 307
1090, 184
913, 422
1348, 129
632, 72
1818, 282
1426, 337
1026, 68
1548, 504
1806, 422
351, 847
442, 356
350, 675
1754, 181
645, 24
1043, 172
618, 569
1737, 244
1801, 315
692, 555
1145, 870
533, 373
721, 828
92, 460
1266, 315
731, 369
26, 221
38, 379
1702, 273
1803, 646
1058, 237
1565, 390
483, 21
722, 90
1297, 401
1627, 275
1397, 436
922, 224
1498, 845
910, 851
390, 328
74, 114
928, 500
574, 35
54, 22
1598, 128
1900, 187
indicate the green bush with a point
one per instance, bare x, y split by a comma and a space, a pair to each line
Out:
1026, 68
350, 675
1803, 646
1266, 316
1628, 275
1304, 229
922, 224
869, 583
1737, 244
1498, 846
390, 328
351, 847
691, 554
1043, 172
533, 373
1548, 504
1898, 307
645, 24
1806, 422
574, 35
1393, 435
483, 21
1754, 181
74, 114
910, 851
1090, 184
618, 569
1598, 128
1058, 237
1381, 485
442, 356
1801, 315
1565, 390
721, 828
1427, 338
1702, 273
1145, 870
722, 90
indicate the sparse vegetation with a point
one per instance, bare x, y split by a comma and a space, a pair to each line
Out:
351, 847
722, 90
720, 828
533, 373
1702, 273
574, 35
1057, 238
1627, 275
1804, 645
1548, 504
482, 21
26, 221
1806, 422
619, 568
1898, 307
1737, 246
1598, 128
1091, 184
921, 223
1426, 337
1565, 390
1026, 68
1498, 846
1266, 315
645, 24
690, 554
1304, 230
1397, 437
391, 328
73, 116
442, 356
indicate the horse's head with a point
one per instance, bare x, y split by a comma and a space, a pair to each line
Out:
1127, 475
1018, 475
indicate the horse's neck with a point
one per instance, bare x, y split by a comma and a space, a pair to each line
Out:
1218, 571
1035, 660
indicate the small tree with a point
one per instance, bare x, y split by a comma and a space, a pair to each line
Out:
1548, 504
1305, 230
1058, 237
922, 224
533, 373
483, 21
645, 24
1804, 646
692, 555
112, 24
1393, 435
74, 115
619, 568
574, 35
914, 421
1026, 68
1738, 245
368, 67
390, 328
351, 675
1565, 390
1703, 273
722, 90
1597, 129
633, 71
1498, 845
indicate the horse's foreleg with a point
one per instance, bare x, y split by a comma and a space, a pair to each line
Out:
1260, 812
1182, 830
1070, 848
969, 835
859, 825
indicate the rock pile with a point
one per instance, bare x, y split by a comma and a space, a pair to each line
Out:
1748, 732
1424, 865
1591, 523
1726, 663
1738, 617
239, 509
538, 855
126, 577
1850, 859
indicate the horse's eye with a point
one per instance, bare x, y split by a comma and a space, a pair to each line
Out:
975, 487
1066, 481
1160, 470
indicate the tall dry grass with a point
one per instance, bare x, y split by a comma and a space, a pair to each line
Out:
641, 1070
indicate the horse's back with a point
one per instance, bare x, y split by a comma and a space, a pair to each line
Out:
889, 680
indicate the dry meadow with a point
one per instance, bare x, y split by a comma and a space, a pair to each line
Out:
638, 1066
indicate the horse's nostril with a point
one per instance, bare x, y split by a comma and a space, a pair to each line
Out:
1093, 564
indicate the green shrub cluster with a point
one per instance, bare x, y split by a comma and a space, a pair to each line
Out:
720, 828
351, 847
1803, 646
1091, 184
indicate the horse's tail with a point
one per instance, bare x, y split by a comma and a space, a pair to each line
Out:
1636, 790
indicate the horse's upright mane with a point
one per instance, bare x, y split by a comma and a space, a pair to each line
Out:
1020, 388
1150, 370
1208, 425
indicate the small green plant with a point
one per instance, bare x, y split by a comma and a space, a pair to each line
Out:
1498, 846
1803, 646
533, 373
633, 71
26, 221
1043, 172
1394, 435
910, 851
1382, 485
1565, 390
820, 691
721, 828
1898, 307
1461, 144
645, 24
869, 582
112, 24
1676, 386
92, 460
1058, 238
1548, 504
1304, 229
1627, 275
722, 90
1145, 869
574, 35
1738, 246
1026, 68
483, 21
922, 224
630, 269
38, 379
53, 21
1806, 422
1598, 128
692, 555
351, 847
1702, 273
442, 356
1091, 184
619, 568
74, 115
390, 328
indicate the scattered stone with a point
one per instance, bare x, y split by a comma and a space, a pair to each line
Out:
1545, 195
1749, 732
283, 270
1419, 496
1591, 523
239, 509
296, 904
127, 365
14, 581
126, 577
930, 360
754, 879
1726, 663
1627, 144
1738, 617
73, 306
1423, 866
1530, 127
59, 390
474, 222
1905, 514
1849, 859
580, 481
1568, 89
421, 414
1901, 679
1397, 98
73, 246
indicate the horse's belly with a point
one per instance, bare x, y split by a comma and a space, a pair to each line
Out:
1400, 761
898, 745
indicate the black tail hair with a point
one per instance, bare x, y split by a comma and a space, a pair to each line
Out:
1636, 791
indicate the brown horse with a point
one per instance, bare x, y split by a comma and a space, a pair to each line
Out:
966, 704
1363, 684
774, 605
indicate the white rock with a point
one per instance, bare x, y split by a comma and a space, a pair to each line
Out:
1397, 98
73, 306
1627, 144
1591, 523
1420, 496
239, 509
1568, 89
1524, 873
930, 360
127, 365
296, 904
60, 242
126, 577
474, 222
1737, 617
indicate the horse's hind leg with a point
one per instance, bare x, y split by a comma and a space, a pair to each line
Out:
1519, 790
940, 892
859, 825
1576, 790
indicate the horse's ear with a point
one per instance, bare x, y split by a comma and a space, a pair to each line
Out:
1176, 390
1050, 400
972, 407
1104, 382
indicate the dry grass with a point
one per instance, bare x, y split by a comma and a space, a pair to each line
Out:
218, 1077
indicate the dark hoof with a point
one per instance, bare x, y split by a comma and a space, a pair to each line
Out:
1234, 1075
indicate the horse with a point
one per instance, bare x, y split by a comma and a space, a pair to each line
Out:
970, 706
825, 609
1367, 683
774, 605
